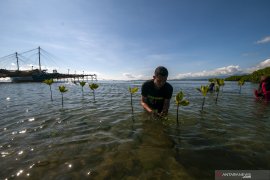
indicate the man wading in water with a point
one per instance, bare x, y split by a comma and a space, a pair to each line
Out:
156, 93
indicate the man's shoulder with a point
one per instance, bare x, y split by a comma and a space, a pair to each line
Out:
168, 85
147, 86
148, 82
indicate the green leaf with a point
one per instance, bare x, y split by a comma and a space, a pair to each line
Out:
204, 90
62, 89
133, 90
179, 97
184, 103
48, 81
82, 83
241, 82
221, 82
217, 82
93, 86
217, 88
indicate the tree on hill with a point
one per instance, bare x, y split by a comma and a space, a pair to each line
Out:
253, 77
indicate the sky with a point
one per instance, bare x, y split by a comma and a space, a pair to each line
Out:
128, 39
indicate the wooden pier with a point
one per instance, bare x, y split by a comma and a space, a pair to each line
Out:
38, 75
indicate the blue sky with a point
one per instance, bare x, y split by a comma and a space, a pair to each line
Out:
128, 39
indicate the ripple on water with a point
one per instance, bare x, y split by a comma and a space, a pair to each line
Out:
102, 139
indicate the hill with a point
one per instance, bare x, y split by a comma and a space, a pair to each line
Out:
253, 77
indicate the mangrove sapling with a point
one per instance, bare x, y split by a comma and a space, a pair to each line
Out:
62, 90
179, 100
93, 86
217, 91
241, 82
217, 88
222, 83
204, 90
49, 82
82, 83
213, 80
132, 91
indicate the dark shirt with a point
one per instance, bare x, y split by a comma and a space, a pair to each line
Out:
155, 97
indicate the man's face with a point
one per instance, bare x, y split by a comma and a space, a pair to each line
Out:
159, 81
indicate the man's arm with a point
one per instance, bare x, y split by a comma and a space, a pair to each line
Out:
166, 106
144, 105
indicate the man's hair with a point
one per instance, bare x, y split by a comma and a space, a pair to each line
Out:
160, 70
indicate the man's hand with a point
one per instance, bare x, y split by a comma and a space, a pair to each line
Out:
157, 116
163, 113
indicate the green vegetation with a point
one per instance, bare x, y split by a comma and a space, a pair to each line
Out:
82, 83
237, 78
179, 100
219, 82
93, 87
212, 80
222, 83
62, 90
49, 82
253, 77
132, 91
217, 91
204, 90
241, 82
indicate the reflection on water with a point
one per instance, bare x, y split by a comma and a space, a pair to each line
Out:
102, 139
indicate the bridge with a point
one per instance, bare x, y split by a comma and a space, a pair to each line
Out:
29, 69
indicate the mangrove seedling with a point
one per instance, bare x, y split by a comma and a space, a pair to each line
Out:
221, 83
62, 90
49, 82
132, 91
217, 91
93, 87
204, 90
241, 82
218, 83
179, 100
82, 83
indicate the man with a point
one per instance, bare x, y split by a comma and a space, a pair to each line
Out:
156, 93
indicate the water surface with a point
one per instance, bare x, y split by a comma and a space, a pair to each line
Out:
102, 139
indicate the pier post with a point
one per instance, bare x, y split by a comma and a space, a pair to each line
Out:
17, 61
39, 58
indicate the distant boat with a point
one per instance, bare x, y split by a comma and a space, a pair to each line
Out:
43, 75
36, 75
22, 79
29, 76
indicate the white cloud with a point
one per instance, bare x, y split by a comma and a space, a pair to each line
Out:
261, 65
264, 40
229, 70
264, 64
128, 76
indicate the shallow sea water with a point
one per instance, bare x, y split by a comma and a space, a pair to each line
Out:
40, 139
